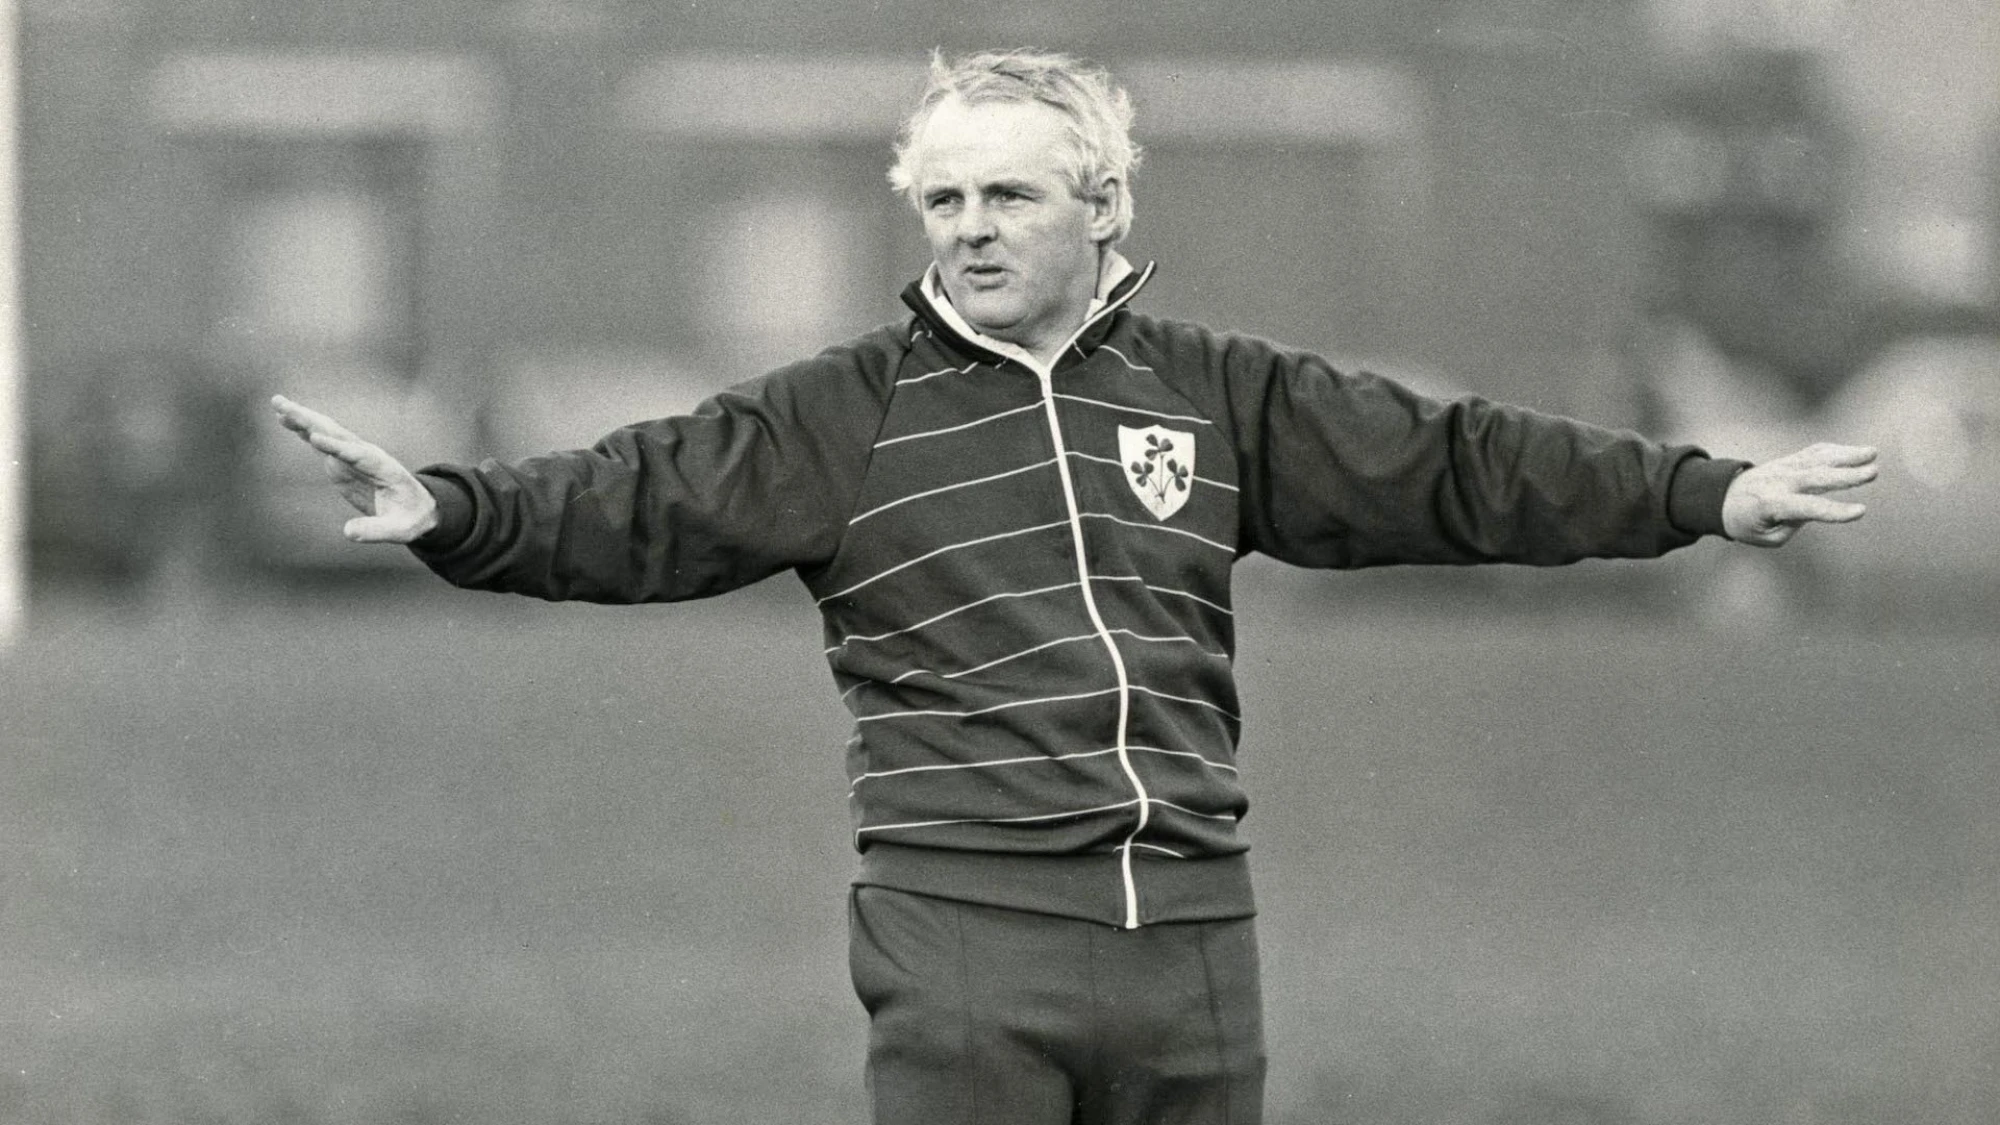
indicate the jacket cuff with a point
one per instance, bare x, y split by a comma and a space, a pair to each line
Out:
1694, 495
455, 512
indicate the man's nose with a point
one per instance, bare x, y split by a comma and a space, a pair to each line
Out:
975, 226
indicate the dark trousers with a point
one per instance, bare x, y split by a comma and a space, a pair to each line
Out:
980, 1015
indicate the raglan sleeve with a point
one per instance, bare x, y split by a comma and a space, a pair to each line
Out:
755, 481
1343, 469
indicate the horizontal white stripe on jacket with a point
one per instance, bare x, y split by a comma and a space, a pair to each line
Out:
1122, 408
1218, 709
961, 426
947, 371
952, 612
1163, 590
1007, 706
947, 766
1156, 527
1038, 700
998, 819
1231, 817
1072, 639
1033, 758
1121, 468
871, 638
944, 550
1121, 355
950, 488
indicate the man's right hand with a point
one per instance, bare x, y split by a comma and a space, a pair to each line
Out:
395, 506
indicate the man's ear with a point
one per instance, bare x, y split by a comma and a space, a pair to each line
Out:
1107, 202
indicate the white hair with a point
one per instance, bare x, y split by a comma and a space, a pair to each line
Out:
1098, 112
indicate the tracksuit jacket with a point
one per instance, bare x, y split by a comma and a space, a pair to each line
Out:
1024, 573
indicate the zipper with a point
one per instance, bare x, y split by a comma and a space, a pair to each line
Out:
1045, 374
1110, 646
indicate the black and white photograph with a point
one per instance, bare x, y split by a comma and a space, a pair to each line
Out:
1320, 562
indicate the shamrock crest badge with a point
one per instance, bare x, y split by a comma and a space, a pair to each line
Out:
1159, 465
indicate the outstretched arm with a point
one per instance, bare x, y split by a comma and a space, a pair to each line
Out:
395, 506
1766, 505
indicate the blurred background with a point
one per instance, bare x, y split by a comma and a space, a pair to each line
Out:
293, 834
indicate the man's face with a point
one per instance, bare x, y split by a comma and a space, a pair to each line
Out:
1015, 247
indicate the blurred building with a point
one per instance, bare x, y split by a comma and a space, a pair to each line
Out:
1742, 178
1783, 305
495, 227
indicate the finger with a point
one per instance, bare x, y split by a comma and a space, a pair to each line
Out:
1835, 479
364, 457
338, 471
1772, 536
1828, 453
377, 529
305, 421
1818, 509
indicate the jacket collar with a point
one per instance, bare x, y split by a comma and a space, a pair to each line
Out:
1117, 284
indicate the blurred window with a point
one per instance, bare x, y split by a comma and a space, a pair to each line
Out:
317, 255
782, 266
326, 174
318, 166
784, 159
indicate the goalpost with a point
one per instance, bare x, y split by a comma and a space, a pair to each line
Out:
13, 392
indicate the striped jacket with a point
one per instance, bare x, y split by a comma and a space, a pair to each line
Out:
1024, 573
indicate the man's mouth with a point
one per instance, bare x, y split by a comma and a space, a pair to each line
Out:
984, 271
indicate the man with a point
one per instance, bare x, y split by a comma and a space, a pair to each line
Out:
1018, 511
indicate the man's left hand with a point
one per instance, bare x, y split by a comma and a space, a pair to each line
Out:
1767, 504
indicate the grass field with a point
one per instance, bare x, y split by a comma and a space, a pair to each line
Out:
437, 857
